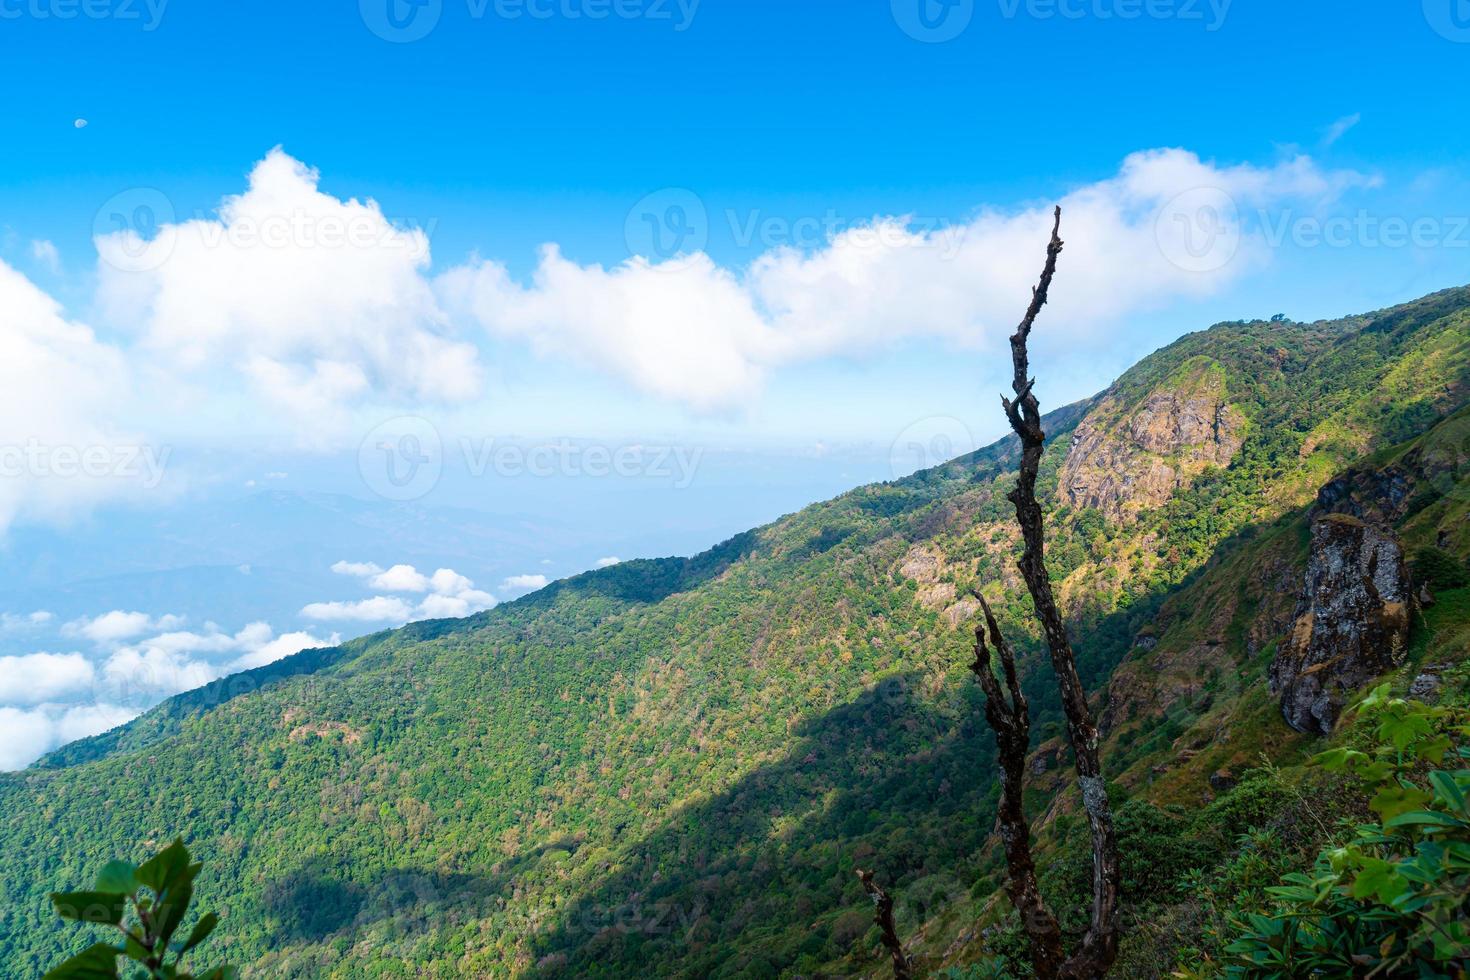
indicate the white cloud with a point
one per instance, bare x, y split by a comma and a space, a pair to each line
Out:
63, 388
49, 699
451, 595
40, 677
11, 621
360, 569
319, 300
446, 581
378, 609
45, 253
692, 331
466, 603
281, 647
524, 583
119, 625
401, 578
1339, 128
26, 735
144, 673
608, 562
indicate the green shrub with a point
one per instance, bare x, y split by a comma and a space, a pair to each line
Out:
1390, 901
146, 904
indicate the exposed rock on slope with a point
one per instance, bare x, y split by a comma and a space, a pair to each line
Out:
1124, 460
1352, 623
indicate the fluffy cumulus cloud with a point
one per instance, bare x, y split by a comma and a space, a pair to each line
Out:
322, 301
524, 583
446, 595
118, 625
378, 609
40, 677
1167, 225
49, 699
400, 578
26, 735
148, 670
361, 569
60, 449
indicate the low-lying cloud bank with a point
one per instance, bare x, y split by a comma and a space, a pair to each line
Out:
131, 660
49, 699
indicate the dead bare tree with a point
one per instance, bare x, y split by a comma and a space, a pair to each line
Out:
1007, 713
883, 919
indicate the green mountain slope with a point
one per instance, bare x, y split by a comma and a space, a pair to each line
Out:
671, 767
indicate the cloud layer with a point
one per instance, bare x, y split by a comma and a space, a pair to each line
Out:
299, 313
136, 660
446, 595
694, 332
321, 300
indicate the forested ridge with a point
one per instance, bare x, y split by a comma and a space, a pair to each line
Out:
672, 767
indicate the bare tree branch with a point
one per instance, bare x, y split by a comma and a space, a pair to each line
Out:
1100, 944
883, 919
1009, 717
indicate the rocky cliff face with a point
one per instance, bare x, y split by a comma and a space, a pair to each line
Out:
1351, 625
1124, 460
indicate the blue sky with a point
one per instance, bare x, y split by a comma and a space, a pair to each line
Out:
510, 132
620, 276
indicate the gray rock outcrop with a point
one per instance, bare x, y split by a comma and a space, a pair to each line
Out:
1351, 624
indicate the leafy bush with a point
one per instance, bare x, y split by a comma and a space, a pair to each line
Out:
147, 904
1390, 901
